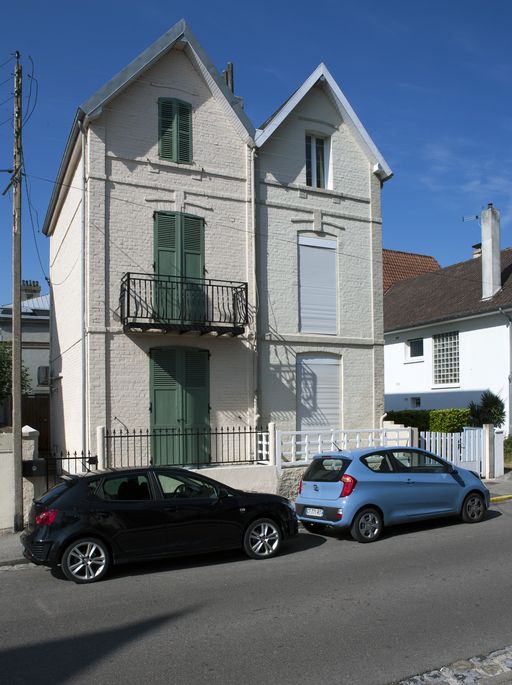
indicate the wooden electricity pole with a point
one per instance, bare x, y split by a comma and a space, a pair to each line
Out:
16, 301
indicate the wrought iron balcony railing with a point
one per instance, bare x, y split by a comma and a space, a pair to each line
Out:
170, 303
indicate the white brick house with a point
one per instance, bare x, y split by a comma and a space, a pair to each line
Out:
207, 273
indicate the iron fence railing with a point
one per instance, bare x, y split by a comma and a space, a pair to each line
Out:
173, 303
194, 448
62, 463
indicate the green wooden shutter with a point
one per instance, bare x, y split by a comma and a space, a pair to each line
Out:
167, 296
194, 294
174, 130
196, 444
193, 246
166, 244
166, 128
196, 386
184, 131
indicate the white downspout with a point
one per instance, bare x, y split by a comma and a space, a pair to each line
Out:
254, 288
83, 351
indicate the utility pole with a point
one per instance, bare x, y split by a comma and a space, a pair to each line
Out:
16, 301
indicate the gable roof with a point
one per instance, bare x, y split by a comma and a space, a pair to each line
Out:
94, 105
399, 266
321, 74
451, 293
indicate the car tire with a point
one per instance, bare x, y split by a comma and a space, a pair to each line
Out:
262, 539
313, 527
85, 560
367, 525
473, 508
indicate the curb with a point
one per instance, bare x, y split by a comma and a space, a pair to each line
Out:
13, 562
500, 498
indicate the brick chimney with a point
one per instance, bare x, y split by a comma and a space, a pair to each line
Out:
491, 255
29, 289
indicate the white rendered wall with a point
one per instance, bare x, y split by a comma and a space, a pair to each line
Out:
483, 362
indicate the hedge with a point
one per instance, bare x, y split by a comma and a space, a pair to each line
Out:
439, 420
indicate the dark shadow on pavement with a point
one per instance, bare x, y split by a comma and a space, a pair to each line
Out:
61, 660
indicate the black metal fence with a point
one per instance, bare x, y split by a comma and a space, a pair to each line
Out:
61, 463
204, 447
169, 302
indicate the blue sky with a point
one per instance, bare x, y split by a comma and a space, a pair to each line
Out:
431, 82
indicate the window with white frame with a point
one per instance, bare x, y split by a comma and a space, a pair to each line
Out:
446, 358
317, 161
318, 308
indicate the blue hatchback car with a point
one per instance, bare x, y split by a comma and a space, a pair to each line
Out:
366, 489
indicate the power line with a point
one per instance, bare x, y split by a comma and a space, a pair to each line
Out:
11, 58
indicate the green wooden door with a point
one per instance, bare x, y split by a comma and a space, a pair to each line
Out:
179, 387
179, 252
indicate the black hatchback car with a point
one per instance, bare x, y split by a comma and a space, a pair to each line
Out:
88, 522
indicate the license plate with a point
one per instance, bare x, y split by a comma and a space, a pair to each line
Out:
310, 511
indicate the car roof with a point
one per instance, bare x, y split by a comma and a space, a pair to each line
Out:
363, 451
99, 473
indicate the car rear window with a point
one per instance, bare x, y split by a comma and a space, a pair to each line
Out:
53, 493
326, 469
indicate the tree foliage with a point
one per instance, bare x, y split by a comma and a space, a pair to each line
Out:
6, 372
491, 409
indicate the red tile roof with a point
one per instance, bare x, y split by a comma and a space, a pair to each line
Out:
399, 266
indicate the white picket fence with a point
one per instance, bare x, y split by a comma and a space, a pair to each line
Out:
294, 448
464, 449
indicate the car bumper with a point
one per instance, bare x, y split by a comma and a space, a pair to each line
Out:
330, 513
36, 550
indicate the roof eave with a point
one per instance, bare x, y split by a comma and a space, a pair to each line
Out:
380, 167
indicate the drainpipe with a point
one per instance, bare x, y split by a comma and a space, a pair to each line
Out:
83, 352
509, 412
254, 288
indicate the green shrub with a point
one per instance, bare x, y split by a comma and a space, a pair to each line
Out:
490, 410
448, 420
416, 418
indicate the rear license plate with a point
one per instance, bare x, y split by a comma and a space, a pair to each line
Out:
310, 511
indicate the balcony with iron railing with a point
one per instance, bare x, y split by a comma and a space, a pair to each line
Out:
171, 303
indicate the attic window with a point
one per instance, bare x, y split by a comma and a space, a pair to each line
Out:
175, 130
317, 161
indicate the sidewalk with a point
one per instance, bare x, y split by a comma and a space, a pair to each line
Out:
10, 546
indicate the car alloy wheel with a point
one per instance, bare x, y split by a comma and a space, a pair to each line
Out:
367, 526
473, 509
85, 560
262, 539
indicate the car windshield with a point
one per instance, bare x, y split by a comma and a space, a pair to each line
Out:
326, 469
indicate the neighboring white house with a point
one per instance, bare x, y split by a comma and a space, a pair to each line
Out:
448, 333
35, 333
207, 273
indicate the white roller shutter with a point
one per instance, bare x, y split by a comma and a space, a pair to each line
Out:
319, 402
317, 286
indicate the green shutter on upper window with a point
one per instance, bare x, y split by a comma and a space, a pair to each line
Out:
184, 131
174, 130
166, 127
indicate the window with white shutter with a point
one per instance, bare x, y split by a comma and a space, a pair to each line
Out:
317, 286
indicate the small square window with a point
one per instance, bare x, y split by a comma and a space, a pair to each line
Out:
317, 161
415, 348
415, 402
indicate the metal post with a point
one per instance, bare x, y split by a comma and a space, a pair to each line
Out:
16, 304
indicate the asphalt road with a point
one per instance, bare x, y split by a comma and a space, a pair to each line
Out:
328, 610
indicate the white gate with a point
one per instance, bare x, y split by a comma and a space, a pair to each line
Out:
464, 449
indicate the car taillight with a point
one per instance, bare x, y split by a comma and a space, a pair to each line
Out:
300, 487
46, 518
349, 484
